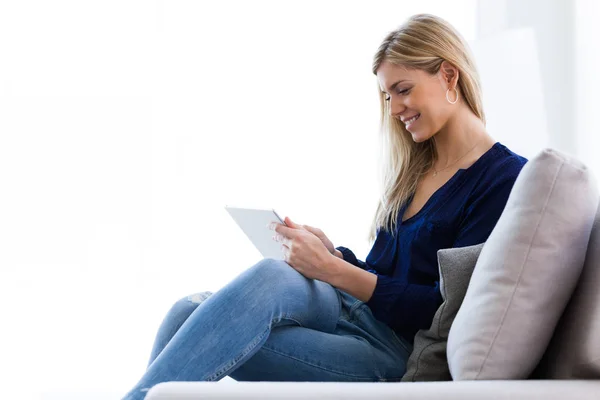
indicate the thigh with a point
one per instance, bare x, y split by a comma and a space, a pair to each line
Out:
358, 350
378, 333
272, 292
175, 317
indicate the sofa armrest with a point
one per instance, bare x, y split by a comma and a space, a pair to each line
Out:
457, 390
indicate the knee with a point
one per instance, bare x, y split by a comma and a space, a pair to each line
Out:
267, 279
189, 303
197, 298
270, 277
177, 314
272, 270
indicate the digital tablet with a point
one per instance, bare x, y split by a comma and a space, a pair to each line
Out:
253, 222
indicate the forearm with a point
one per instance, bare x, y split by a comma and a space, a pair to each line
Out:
353, 280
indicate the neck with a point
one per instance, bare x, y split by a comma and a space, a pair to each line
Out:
463, 131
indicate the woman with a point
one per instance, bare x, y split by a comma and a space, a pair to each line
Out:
323, 315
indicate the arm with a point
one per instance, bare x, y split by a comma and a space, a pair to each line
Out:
391, 301
410, 307
352, 279
348, 255
338, 254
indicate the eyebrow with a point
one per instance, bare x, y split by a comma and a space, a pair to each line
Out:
394, 84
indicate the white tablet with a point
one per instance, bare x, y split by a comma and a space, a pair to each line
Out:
253, 222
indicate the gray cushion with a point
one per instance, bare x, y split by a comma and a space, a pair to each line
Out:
428, 361
574, 351
526, 271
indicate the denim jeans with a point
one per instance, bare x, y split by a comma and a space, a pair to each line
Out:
273, 324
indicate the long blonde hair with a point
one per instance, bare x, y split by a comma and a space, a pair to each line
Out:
422, 42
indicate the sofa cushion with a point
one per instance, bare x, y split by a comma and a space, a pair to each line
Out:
428, 361
574, 351
526, 271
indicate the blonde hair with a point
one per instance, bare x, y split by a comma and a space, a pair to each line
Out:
422, 42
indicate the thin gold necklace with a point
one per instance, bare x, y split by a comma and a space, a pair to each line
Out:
448, 166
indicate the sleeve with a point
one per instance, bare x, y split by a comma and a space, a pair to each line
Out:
410, 307
351, 258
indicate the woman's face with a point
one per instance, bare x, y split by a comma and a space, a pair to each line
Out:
414, 93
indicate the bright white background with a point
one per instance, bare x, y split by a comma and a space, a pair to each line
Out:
126, 126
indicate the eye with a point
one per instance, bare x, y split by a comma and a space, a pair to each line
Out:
401, 92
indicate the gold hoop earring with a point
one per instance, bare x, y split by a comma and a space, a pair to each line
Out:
451, 102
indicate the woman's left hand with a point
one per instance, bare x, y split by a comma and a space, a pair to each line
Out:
304, 252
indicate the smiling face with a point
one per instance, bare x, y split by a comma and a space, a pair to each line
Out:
413, 93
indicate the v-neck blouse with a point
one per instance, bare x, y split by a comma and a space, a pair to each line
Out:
462, 212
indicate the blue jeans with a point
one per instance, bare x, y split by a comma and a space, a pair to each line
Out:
271, 323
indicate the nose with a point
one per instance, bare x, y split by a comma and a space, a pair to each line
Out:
396, 109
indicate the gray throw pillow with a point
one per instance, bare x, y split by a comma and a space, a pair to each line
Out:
428, 361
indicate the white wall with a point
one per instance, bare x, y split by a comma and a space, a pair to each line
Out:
513, 98
553, 26
126, 126
566, 33
587, 82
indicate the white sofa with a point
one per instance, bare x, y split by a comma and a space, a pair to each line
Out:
570, 366
463, 390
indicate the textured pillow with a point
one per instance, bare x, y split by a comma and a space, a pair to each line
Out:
574, 351
428, 361
526, 272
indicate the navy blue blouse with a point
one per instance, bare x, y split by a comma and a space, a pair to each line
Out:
462, 212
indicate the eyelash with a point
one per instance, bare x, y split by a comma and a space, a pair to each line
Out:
405, 91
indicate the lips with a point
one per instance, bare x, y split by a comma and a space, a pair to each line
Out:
411, 120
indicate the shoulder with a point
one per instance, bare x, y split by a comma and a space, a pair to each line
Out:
501, 169
495, 180
506, 159
509, 159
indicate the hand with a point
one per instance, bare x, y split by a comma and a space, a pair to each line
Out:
316, 231
304, 251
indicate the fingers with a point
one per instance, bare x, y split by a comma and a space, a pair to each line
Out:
315, 231
286, 252
288, 221
293, 224
284, 230
309, 228
280, 238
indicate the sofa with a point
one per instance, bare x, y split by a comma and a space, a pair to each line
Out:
529, 324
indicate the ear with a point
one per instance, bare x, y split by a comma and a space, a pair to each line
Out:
449, 74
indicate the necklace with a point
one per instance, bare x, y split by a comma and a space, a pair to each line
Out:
448, 166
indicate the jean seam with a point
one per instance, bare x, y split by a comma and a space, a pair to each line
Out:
225, 367
286, 316
400, 342
355, 306
356, 317
221, 370
398, 339
267, 348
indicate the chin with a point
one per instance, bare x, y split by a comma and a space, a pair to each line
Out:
419, 137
